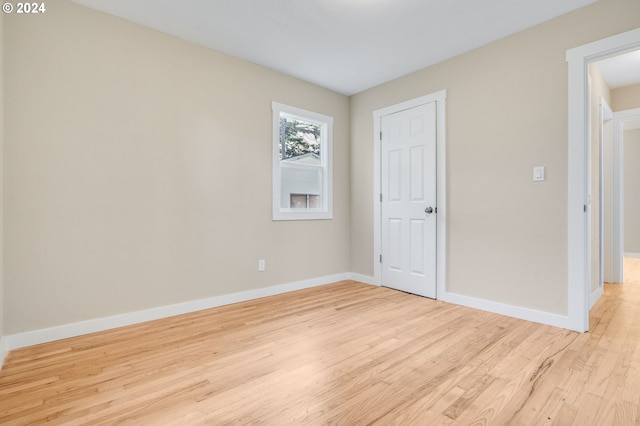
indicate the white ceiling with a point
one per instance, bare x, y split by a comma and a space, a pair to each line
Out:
344, 45
622, 70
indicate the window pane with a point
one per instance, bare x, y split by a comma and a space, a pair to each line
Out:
304, 201
298, 201
298, 179
314, 201
299, 140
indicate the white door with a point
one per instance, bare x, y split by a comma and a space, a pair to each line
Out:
408, 200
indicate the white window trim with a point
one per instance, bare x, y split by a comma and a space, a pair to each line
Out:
326, 123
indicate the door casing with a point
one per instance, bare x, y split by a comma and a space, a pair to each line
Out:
439, 98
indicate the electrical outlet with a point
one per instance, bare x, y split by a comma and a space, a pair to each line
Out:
261, 265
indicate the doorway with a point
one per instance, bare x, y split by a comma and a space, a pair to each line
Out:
627, 236
579, 256
432, 277
616, 78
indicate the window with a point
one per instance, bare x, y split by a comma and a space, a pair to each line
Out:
301, 164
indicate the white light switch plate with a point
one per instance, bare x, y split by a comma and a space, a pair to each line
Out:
538, 174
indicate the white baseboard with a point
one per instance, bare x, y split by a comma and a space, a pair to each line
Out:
596, 295
36, 337
21, 340
508, 310
3, 352
363, 278
634, 255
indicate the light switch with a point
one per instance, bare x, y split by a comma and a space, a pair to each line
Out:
538, 174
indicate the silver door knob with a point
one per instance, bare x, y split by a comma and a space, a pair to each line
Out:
428, 210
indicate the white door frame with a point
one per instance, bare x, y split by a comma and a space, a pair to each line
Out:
440, 99
619, 119
606, 193
604, 116
578, 257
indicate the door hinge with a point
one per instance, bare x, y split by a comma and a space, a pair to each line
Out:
380, 258
380, 135
584, 208
381, 197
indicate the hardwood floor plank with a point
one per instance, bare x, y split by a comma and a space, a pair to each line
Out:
565, 416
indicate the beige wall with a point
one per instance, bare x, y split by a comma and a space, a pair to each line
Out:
138, 172
506, 112
625, 98
631, 191
598, 90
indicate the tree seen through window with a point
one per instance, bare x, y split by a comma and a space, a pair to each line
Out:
298, 137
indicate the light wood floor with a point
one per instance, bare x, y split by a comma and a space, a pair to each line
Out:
345, 353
